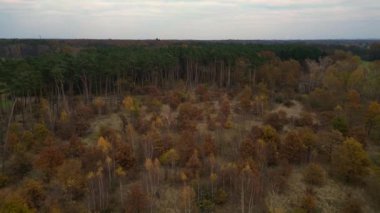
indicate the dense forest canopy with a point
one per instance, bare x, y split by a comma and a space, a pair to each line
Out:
102, 69
189, 126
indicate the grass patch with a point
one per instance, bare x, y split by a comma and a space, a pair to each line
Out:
5, 104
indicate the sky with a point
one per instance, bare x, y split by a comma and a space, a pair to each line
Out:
190, 19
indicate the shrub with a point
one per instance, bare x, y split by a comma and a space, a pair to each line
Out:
99, 104
360, 134
276, 119
221, 197
279, 177
306, 119
187, 116
202, 92
309, 201
3, 180
352, 205
84, 111
314, 174
373, 188
206, 205
340, 124
81, 126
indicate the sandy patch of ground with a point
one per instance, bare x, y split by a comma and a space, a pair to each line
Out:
293, 111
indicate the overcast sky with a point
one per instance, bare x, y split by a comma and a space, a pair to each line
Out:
190, 19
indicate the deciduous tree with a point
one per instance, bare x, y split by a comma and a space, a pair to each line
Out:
350, 161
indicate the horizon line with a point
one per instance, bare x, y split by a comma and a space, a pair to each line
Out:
189, 39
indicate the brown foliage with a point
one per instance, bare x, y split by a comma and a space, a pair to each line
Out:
48, 159
329, 141
65, 130
306, 119
359, 133
90, 157
187, 116
40, 132
255, 133
174, 99
34, 193
13, 142
141, 125
224, 110
193, 164
245, 99
297, 145
100, 105
247, 149
81, 126
152, 91
353, 98
276, 119
137, 200
19, 164
352, 205
278, 177
373, 188
202, 92
272, 144
209, 146
124, 156
74, 148
314, 174
186, 146
211, 123
153, 105
322, 99
309, 201
71, 178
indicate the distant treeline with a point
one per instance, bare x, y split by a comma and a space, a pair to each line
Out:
94, 67
20, 48
105, 70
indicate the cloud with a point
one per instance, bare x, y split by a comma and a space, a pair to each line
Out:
204, 19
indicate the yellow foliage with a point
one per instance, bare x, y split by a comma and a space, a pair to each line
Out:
373, 109
213, 177
183, 176
128, 103
99, 102
103, 145
64, 117
45, 105
99, 172
169, 156
228, 124
90, 175
350, 160
338, 108
158, 122
120, 172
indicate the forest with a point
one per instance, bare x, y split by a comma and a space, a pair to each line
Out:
189, 126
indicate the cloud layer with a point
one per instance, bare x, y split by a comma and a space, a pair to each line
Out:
190, 19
